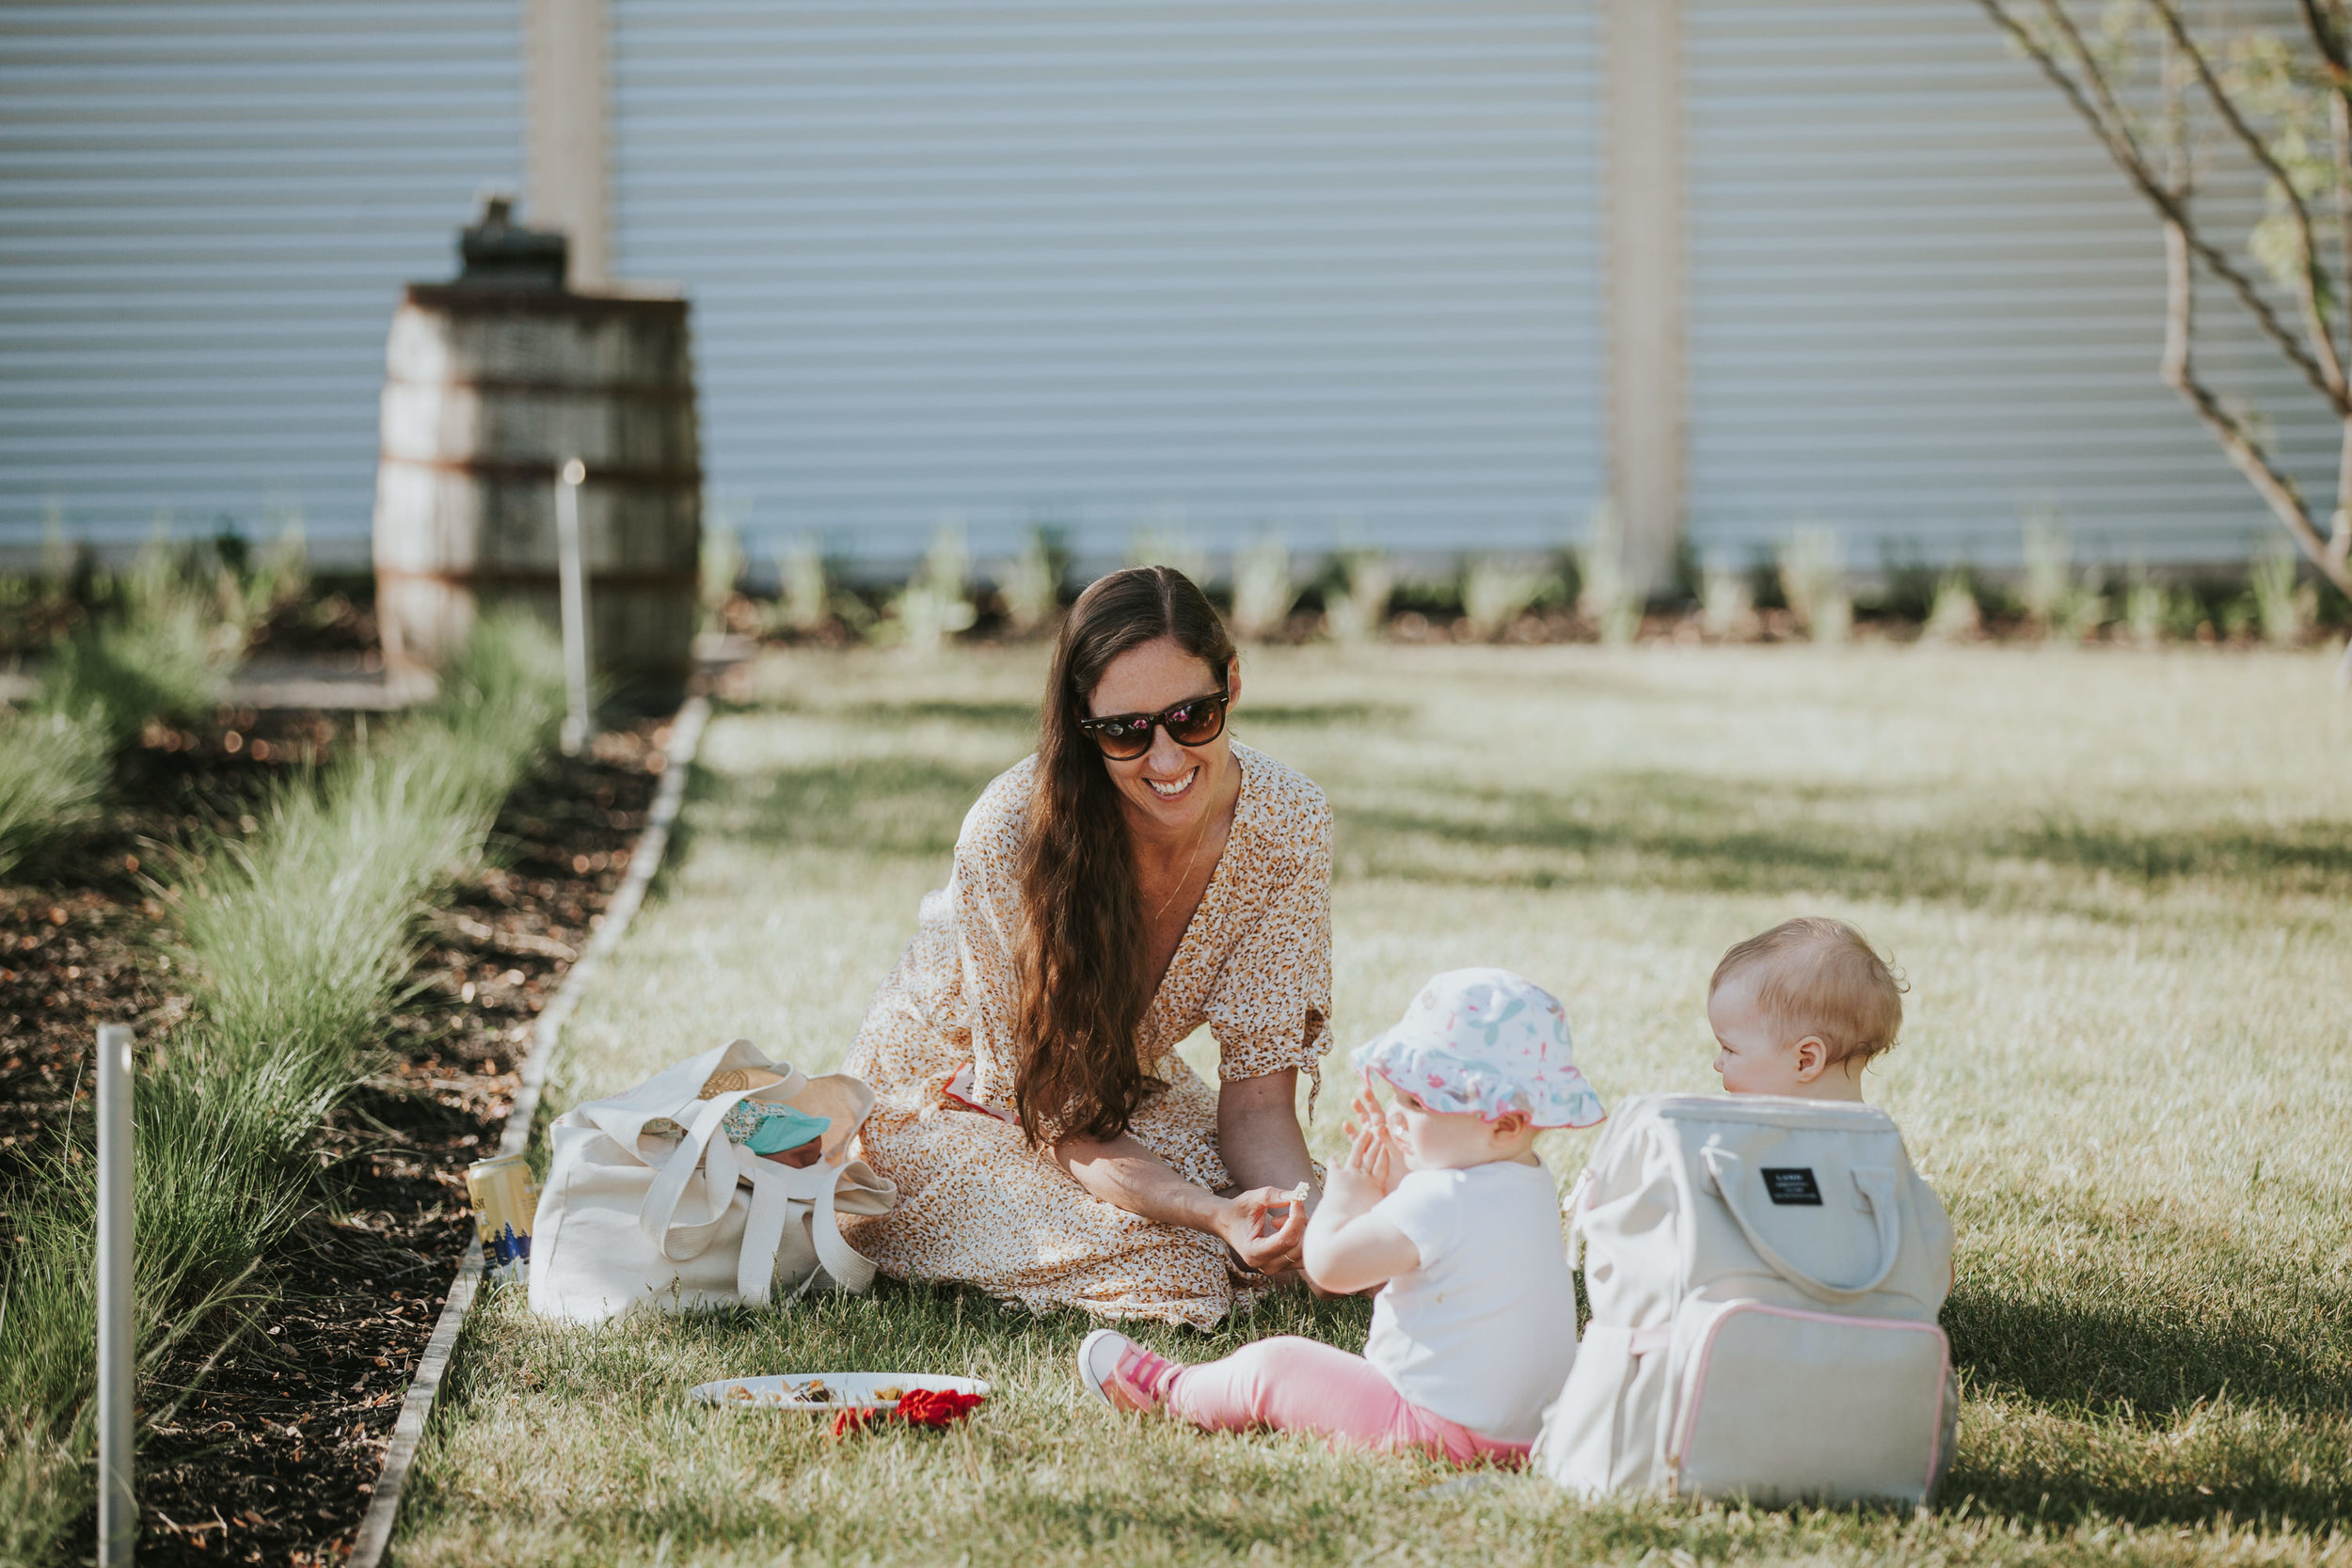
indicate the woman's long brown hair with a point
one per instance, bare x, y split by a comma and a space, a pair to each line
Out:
1081, 950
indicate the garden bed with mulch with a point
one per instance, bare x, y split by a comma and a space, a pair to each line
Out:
269, 1424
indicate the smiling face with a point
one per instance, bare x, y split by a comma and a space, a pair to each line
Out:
1454, 1140
1169, 786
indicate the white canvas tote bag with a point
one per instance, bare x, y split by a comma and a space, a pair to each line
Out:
633, 1218
1764, 1275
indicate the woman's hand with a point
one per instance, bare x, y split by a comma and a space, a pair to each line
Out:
1262, 1241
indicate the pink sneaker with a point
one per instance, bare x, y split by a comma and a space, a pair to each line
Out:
1127, 1375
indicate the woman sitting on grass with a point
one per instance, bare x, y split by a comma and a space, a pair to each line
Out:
1141, 875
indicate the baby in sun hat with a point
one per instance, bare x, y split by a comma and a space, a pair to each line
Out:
1442, 1203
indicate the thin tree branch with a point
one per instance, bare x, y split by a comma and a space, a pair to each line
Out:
2276, 489
2173, 211
2311, 277
2340, 138
2117, 117
2328, 39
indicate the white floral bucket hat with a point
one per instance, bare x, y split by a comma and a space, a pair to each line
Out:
1485, 1041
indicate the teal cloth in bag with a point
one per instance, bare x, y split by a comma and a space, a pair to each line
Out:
766, 1129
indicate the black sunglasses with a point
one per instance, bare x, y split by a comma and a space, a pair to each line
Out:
1124, 736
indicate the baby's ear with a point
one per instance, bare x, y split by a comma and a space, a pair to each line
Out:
1812, 1059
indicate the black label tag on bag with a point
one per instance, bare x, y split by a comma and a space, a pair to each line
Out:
1793, 1185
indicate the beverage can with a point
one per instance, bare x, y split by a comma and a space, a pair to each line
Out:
504, 1202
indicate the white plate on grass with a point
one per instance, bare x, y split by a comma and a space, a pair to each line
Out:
817, 1392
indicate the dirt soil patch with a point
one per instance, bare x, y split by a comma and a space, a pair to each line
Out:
268, 1428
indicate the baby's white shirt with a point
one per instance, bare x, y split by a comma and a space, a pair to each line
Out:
1484, 1332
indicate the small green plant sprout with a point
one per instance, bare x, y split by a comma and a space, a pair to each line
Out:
1813, 581
1165, 542
1496, 592
2082, 612
1953, 616
1606, 596
2060, 605
56, 555
723, 563
1264, 590
251, 592
1355, 614
936, 602
2147, 607
1030, 584
805, 602
1726, 602
2047, 584
2282, 608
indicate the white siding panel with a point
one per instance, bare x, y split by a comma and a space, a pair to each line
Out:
1322, 265
1922, 301
206, 214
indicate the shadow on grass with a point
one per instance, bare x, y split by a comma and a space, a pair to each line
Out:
874, 805
1742, 835
2109, 1350
2171, 1375
700, 781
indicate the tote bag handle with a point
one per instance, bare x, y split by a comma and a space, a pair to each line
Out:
699, 1152
779, 1194
1877, 1186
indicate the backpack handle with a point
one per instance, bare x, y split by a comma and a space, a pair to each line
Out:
1877, 1186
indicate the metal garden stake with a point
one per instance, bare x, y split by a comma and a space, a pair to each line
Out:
573, 589
117, 1346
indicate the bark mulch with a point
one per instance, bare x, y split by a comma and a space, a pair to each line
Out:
284, 1409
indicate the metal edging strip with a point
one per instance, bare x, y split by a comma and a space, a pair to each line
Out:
375, 1528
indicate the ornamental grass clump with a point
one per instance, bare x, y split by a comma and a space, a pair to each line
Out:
1030, 583
2284, 608
1497, 592
1357, 612
1263, 589
1607, 595
1813, 581
298, 941
161, 656
52, 766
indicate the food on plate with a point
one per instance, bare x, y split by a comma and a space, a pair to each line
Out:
891, 1392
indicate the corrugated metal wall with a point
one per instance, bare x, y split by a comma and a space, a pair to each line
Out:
1329, 266
1323, 265
206, 212
1922, 300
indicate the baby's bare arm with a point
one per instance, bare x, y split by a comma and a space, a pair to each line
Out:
1348, 1247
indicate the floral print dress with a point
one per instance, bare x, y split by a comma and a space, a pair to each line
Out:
976, 1203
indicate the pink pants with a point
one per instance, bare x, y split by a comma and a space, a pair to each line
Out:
1292, 1385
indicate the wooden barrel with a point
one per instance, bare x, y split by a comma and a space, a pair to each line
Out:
489, 390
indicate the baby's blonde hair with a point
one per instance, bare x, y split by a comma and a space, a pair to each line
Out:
1821, 977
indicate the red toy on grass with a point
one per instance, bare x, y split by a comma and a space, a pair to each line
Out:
923, 1407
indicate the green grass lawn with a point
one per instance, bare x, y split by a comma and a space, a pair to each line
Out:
2121, 885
